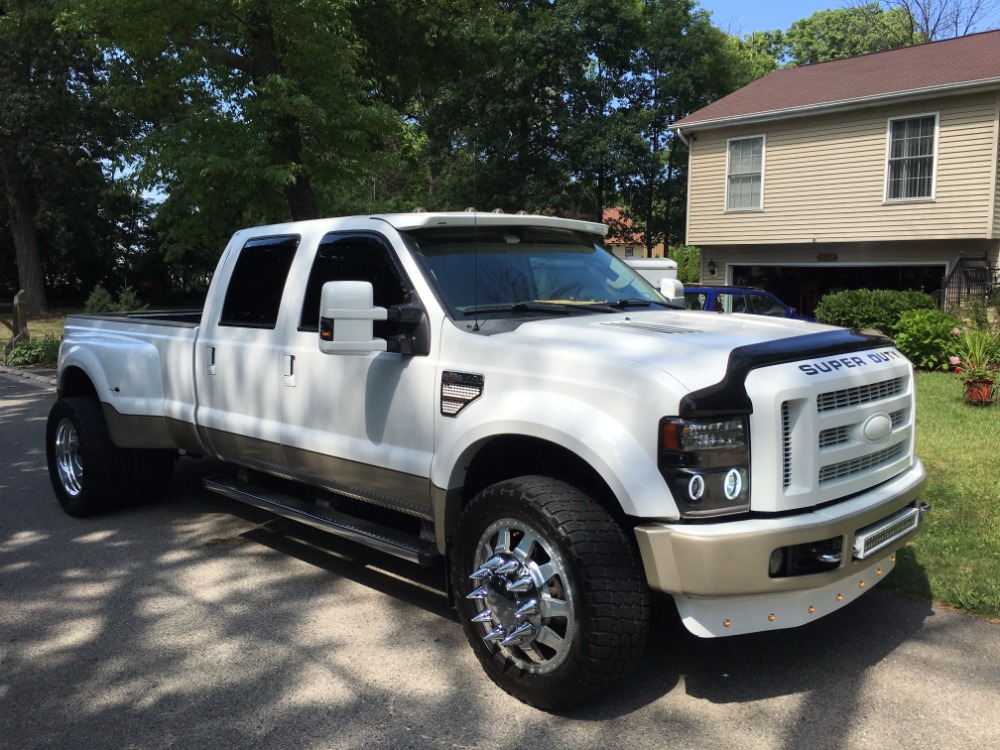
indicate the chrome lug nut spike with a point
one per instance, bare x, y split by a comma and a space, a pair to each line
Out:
508, 567
479, 593
485, 616
483, 572
519, 635
494, 562
529, 608
497, 634
521, 584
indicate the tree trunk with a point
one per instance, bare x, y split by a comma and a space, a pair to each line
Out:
286, 138
22, 225
300, 194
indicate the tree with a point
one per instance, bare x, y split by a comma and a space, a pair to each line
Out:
753, 55
601, 138
258, 111
931, 20
54, 139
497, 134
683, 63
847, 32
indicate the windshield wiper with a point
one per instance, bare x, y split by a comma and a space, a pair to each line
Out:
530, 307
620, 303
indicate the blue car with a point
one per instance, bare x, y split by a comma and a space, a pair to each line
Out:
737, 299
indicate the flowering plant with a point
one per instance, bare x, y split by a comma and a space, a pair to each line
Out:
976, 357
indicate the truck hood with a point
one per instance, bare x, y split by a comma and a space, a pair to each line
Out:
693, 347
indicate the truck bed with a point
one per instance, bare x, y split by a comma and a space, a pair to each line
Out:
141, 365
154, 317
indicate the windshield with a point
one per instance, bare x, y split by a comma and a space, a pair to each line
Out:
499, 271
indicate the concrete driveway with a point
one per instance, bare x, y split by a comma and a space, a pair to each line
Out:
201, 623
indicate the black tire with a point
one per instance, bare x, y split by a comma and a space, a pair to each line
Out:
89, 474
561, 550
150, 474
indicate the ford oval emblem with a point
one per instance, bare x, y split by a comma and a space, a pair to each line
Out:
877, 427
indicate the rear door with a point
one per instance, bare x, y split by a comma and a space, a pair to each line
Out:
238, 361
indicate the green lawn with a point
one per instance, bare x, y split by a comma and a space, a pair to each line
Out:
51, 326
955, 558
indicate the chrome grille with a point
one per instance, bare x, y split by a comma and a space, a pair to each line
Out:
844, 469
862, 394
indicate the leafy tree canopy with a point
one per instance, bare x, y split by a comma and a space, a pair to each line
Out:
847, 32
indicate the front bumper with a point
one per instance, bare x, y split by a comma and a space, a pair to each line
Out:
728, 561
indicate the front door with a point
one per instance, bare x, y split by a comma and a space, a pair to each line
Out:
360, 424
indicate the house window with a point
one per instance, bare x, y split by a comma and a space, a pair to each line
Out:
745, 174
910, 167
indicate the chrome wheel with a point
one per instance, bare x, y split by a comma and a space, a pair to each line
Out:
67, 458
523, 596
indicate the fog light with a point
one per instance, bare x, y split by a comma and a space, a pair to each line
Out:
696, 487
733, 485
776, 563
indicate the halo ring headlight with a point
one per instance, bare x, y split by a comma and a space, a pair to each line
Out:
696, 487
732, 486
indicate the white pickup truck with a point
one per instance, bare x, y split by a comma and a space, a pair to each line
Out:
500, 393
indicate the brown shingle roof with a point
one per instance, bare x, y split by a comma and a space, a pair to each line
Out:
927, 68
621, 229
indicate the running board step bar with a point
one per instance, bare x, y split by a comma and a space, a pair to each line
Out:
383, 538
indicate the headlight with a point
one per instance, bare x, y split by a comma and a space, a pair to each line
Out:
706, 463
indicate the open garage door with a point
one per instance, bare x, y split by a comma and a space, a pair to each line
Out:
803, 286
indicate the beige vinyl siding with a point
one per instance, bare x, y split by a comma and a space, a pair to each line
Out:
996, 208
825, 179
996, 158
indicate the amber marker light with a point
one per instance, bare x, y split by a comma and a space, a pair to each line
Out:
861, 584
840, 597
772, 618
879, 571
893, 558
726, 623
811, 610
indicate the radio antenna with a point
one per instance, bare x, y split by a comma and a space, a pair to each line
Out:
475, 237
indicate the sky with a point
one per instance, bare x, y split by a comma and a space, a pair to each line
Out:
740, 17
743, 16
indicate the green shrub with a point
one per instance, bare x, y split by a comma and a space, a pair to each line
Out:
100, 301
35, 352
688, 258
926, 337
128, 300
871, 308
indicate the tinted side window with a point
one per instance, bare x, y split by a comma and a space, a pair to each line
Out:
254, 293
353, 259
694, 300
762, 304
